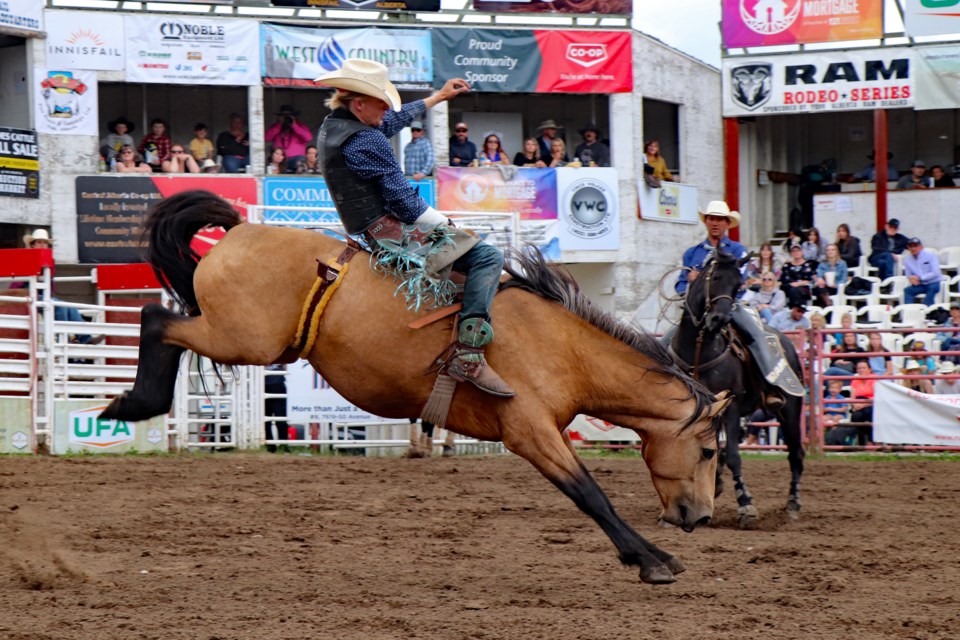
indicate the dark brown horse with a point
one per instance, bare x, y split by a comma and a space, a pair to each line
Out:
562, 355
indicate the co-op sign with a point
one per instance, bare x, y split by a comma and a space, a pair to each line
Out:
818, 82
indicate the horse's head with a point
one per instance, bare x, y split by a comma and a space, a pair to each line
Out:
683, 466
710, 298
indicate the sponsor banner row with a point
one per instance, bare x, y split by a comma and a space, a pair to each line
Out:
19, 163
819, 82
363, 5
758, 23
21, 15
602, 7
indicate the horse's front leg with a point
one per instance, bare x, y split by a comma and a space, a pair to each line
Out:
553, 455
790, 417
731, 456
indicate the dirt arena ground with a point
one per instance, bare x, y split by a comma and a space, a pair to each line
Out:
238, 546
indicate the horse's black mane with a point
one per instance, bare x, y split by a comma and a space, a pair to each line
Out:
529, 271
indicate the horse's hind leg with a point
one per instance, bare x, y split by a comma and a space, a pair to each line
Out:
558, 462
152, 392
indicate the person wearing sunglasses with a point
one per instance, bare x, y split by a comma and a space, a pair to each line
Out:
769, 299
462, 151
418, 158
180, 161
129, 161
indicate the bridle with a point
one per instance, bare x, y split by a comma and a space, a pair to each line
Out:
700, 323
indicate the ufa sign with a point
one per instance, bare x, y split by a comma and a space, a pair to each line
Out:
87, 428
79, 427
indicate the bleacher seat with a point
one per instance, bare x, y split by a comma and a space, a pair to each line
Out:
834, 312
891, 290
870, 297
908, 316
872, 316
950, 260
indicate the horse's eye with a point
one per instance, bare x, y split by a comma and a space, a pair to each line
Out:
709, 453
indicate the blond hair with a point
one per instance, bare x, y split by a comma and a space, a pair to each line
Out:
342, 98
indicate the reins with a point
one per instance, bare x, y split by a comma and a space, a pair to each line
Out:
700, 322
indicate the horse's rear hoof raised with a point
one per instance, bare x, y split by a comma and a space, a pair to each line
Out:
128, 409
658, 574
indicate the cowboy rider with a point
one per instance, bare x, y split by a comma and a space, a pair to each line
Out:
371, 193
718, 218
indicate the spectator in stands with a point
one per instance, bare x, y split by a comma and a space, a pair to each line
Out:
847, 346
914, 368
275, 407
791, 319
869, 172
180, 161
155, 146
927, 362
849, 246
769, 300
119, 136
846, 322
922, 268
814, 247
462, 151
289, 134
547, 131
861, 388
309, 164
591, 151
277, 163
201, 148
233, 145
794, 236
798, 277
879, 365
834, 412
129, 161
558, 153
940, 178
209, 166
765, 262
945, 386
831, 273
653, 159
492, 152
418, 160
886, 247
530, 156
916, 179
950, 341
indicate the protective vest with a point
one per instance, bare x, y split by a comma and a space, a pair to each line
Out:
359, 202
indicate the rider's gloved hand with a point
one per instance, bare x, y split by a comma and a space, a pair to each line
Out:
433, 218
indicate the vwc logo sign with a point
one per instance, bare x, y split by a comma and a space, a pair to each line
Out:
186, 31
770, 16
88, 429
590, 208
587, 55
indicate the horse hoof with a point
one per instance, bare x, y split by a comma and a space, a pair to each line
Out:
658, 574
676, 567
792, 515
748, 515
415, 452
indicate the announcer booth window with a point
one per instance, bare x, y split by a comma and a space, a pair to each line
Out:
661, 121
15, 107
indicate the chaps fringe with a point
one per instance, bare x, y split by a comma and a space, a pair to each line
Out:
438, 404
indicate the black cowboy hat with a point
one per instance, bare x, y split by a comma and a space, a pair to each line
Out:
287, 110
590, 127
112, 125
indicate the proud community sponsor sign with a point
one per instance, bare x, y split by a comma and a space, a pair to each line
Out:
818, 82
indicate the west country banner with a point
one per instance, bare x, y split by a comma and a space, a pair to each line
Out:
849, 80
759, 23
188, 50
604, 7
84, 40
294, 56
518, 61
65, 102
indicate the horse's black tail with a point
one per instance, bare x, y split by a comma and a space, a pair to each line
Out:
168, 231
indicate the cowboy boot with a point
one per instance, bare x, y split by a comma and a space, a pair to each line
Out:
468, 363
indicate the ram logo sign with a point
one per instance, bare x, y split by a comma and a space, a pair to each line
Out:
87, 428
586, 55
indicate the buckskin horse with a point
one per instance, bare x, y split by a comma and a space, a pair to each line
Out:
722, 365
563, 356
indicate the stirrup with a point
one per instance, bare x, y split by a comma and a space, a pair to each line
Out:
469, 364
773, 400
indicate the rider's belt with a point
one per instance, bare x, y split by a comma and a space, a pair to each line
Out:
328, 279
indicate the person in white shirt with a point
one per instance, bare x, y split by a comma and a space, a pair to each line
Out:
946, 386
791, 319
922, 268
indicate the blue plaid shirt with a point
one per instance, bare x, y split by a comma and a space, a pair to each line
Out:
369, 155
695, 256
418, 157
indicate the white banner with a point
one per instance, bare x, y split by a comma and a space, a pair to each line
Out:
931, 17
192, 50
588, 209
310, 398
25, 15
904, 416
65, 101
672, 202
84, 40
850, 80
937, 77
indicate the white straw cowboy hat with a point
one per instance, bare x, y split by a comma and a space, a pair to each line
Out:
720, 208
39, 234
366, 77
947, 367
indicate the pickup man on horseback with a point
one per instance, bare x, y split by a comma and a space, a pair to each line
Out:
375, 200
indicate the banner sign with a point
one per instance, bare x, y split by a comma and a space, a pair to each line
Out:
110, 211
850, 80
589, 209
760, 23
672, 202
16, 425
311, 191
65, 102
294, 56
78, 427
603, 7
531, 192
310, 398
366, 5
188, 50
905, 416
22, 15
85, 40
935, 76
931, 17
19, 163
531, 61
